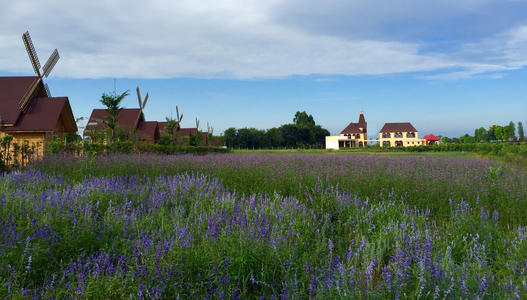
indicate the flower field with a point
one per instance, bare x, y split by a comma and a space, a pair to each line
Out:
264, 225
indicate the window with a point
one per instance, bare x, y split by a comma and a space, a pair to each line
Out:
398, 135
386, 135
410, 134
386, 143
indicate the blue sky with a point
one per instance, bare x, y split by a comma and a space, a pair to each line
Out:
445, 66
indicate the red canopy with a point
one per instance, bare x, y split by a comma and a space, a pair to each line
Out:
431, 137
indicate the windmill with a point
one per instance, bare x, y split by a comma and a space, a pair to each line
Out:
179, 119
142, 103
46, 70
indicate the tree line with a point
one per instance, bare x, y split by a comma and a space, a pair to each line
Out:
494, 133
302, 133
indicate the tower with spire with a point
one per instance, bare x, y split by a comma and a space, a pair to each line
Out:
353, 136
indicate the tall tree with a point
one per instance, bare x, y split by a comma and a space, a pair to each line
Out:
303, 119
113, 107
521, 134
511, 130
479, 134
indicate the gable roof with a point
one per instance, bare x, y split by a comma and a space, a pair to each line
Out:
149, 130
128, 117
184, 131
352, 128
398, 127
43, 114
12, 89
355, 128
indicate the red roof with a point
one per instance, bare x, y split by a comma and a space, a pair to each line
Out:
128, 117
398, 127
354, 128
149, 130
12, 89
431, 137
43, 114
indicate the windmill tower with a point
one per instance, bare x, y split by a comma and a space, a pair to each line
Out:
46, 70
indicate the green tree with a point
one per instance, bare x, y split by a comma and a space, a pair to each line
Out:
230, 135
445, 140
274, 137
479, 134
521, 134
113, 107
466, 139
170, 127
511, 130
491, 133
303, 119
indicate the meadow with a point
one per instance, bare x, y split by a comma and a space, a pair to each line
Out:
253, 225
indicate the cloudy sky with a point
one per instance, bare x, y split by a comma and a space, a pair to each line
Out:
446, 66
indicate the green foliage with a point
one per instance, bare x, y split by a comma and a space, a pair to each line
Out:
302, 134
166, 140
303, 119
521, 134
113, 107
196, 139
171, 126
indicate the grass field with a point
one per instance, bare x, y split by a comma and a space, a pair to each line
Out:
273, 224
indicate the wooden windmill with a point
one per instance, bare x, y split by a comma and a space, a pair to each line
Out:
179, 119
142, 103
46, 70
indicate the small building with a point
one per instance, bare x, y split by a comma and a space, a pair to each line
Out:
130, 120
431, 139
399, 135
353, 136
188, 132
28, 113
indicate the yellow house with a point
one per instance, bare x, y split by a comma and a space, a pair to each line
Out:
399, 135
353, 136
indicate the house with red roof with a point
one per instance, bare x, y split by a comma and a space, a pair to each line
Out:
130, 120
28, 113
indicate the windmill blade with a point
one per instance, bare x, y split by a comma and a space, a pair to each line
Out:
46, 88
31, 52
139, 97
146, 99
50, 64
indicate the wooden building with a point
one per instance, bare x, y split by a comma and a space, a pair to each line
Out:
29, 114
130, 120
185, 132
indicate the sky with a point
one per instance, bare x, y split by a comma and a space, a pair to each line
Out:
445, 66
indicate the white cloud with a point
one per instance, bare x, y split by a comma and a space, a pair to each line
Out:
232, 39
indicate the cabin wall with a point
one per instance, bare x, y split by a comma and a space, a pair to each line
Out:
38, 139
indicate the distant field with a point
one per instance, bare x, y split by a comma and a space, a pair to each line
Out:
282, 223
